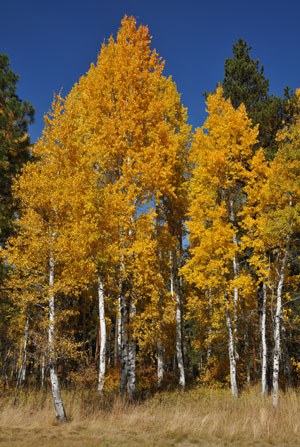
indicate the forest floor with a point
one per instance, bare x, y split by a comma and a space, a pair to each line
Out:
206, 418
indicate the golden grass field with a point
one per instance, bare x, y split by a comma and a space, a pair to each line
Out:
196, 418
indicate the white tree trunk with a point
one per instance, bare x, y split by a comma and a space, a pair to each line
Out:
277, 347
160, 346
102, 325
160, 363
118, 340
119, 335
264, 385
175, 293
232, 333
210, 313
232, 360
128, 344
124, 340
131, 355
58, 405
22, 372
235, 294
235, 263
43, 370
183, 331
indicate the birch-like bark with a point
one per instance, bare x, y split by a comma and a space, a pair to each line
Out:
128, 343
232, 359
277, 347
246, 349
22, 372
119, 334
264, 385
160, 363
58, 404
43, 370
102, 326
183, 331
175, 294
124, 339
210, 313
235, 276
118, 341
131, 354
160, 347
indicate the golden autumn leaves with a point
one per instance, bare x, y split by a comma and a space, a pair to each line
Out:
109, 162
243, 211
113, 181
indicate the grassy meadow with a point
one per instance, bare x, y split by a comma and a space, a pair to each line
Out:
195, 418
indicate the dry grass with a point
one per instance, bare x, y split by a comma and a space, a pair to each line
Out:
197, 418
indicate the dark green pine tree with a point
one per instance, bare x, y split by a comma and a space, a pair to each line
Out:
244, 82
15, 116
244, 79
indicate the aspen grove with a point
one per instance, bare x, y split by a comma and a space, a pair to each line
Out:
146, 256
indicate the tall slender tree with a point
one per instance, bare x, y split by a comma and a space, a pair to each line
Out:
274, 226
135, 127
49, 261
245, 83
121, 133
221, 155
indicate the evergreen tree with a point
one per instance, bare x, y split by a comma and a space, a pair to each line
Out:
15, 116
244, 82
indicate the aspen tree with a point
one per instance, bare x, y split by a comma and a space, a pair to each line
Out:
276, 222
112, 150
260, 255
272, 218
134, 126
48, 191
283, 191
221, 154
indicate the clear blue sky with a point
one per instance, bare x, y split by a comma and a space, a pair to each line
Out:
52, 43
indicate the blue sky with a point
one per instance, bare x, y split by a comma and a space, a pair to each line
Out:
51, 44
